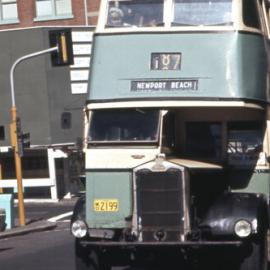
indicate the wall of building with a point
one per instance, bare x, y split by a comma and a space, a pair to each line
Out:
44, 94
93, 9
81, 9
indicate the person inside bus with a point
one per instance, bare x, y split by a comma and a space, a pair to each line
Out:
115, 17
136, 13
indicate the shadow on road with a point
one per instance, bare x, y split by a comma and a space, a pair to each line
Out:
5, 249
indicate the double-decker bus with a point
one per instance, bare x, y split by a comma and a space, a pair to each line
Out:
177, 137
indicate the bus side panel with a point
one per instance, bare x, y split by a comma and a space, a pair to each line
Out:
232, 65
250, 181
253, 67
108, 185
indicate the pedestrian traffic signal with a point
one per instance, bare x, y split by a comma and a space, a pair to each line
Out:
23, 142
15, 129
62, 39
18, 125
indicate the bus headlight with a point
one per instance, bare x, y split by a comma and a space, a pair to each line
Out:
242, 228
79, 229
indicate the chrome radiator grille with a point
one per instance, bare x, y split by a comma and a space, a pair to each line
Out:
160, 204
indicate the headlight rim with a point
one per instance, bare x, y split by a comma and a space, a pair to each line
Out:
247, 223
81, 225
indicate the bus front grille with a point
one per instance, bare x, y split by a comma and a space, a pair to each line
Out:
160, 204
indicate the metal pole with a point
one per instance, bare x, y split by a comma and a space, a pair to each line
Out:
86, 12
13, 132
18, 165
25, 57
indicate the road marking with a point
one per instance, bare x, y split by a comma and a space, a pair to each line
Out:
54, 219
65, 220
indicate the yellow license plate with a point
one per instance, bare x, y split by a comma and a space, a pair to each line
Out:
106, 205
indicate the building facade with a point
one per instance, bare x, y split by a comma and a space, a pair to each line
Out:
49, 100
33, 13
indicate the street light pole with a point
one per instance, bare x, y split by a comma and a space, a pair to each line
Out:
18, 164
14, 132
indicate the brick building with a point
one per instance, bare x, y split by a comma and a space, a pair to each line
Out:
32, 13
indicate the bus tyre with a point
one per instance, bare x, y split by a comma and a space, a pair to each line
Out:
87, 258
256, 256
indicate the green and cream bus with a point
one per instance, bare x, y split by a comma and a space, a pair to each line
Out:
177, 137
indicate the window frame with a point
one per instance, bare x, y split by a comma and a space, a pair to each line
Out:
55, 14
115, 143
266, 19
8, 20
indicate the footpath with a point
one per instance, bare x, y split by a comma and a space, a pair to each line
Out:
43, 217
42, 225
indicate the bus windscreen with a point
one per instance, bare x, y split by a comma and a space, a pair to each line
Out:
124, 126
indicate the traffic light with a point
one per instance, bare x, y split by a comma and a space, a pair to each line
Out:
23, 142
62, 39
18, 125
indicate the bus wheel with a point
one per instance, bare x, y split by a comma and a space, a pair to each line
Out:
256, 256
87, 258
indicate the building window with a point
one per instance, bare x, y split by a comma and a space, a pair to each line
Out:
2, 133
66, 118
8, 10
53, 8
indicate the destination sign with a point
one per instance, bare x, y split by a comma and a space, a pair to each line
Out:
166, 85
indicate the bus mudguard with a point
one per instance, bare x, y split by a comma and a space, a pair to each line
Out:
232, 208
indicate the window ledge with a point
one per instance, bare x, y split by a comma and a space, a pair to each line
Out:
10, 21
53, 18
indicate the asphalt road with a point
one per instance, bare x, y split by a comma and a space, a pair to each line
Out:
51, 250
48, 250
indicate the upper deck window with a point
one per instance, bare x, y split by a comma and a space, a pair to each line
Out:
202, 12
139, 13
124, 126
251, 14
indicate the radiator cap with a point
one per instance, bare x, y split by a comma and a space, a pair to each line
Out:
159, 165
